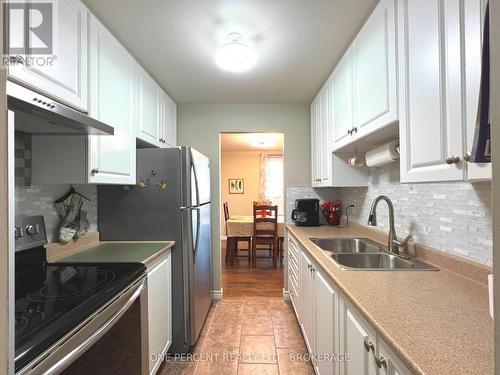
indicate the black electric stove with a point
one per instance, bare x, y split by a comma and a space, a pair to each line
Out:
52, 299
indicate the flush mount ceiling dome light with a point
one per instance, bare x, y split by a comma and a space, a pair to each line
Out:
235, 56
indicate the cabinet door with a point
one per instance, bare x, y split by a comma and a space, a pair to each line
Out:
315, 161
168, 121
307, 292
159, 312
149, 103
353, 336
294, 284
111, 158
325, 320
430, 90
393, 365
374, 71
342, 101
473, 18
65, 78
326, 135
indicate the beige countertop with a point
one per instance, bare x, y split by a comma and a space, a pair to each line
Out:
437, 322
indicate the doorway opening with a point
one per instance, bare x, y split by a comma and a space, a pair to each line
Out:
251, 172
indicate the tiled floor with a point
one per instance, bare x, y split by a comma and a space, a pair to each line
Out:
243, 336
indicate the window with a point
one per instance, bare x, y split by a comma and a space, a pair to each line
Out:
273, 186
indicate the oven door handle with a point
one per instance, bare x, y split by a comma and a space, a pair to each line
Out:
76, 352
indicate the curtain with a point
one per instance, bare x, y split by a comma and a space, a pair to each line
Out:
263, 176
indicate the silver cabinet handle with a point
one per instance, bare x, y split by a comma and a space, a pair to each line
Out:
94, 171
355, 129
368, 345
467, 156
452, 159
349, 132
380, 361
309, 266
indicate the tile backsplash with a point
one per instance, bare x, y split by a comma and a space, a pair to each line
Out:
452, 217
39, 199
298, 192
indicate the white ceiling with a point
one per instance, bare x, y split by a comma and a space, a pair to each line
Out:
231, 142
298, 43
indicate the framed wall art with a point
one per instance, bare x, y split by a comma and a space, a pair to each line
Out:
236, 186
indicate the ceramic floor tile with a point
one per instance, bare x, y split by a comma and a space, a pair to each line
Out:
288, 336
257, 324
217, 361
257, 349
177, 368
294, 362
283, 316
257, 369
224, 336
256, 307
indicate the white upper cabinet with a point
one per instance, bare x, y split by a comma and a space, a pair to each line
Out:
365, 80
329, 169
111, 158
168, 123
149, 108
321, 130
473, 23
65, 77
431, 134
374, 71
342, 101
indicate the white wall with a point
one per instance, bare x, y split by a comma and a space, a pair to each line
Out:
199, 126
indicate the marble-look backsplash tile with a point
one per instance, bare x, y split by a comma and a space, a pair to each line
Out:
297, 192
453, 217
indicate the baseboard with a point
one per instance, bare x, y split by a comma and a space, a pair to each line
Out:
286, 295
217, 294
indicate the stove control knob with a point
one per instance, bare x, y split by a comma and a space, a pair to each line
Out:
18, 232
31, 230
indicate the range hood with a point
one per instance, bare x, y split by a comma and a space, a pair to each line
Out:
38, 114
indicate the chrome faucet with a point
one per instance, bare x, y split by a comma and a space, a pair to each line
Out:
393, 243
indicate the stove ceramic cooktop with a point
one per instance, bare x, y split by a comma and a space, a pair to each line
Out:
53, 299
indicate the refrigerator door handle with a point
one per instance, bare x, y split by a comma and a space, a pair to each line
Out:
197, 239
193, 170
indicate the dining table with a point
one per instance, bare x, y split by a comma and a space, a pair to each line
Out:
242, 226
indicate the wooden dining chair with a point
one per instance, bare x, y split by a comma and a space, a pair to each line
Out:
247, 240
265, 230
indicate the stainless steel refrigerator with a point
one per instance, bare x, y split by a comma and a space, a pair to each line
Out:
171, 201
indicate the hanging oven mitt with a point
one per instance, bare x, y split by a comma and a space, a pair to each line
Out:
69, 210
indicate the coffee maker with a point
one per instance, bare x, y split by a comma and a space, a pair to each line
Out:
306, 212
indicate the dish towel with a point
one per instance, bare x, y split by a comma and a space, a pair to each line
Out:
73, 211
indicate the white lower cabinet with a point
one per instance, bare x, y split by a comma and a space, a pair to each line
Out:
159, 312
338, 339
358, 341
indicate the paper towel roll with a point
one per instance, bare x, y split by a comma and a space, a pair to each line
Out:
381, 155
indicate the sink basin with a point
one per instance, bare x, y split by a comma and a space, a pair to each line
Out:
347, 245
363, 254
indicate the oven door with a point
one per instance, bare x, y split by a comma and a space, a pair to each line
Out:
64, 352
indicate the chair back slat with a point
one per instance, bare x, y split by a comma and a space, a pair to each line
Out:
226, 211
265, 226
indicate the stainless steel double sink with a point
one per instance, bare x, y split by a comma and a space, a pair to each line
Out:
365, 255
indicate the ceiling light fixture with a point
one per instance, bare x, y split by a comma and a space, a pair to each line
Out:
262, 140
235, 56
